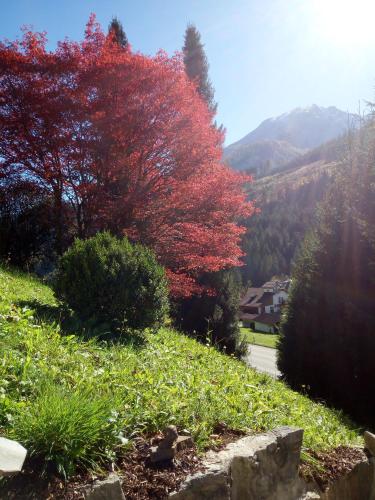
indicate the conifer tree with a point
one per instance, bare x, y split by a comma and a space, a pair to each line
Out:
196, 65
119, 33
327, 334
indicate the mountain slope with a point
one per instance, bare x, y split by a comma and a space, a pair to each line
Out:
287, 137
262, 157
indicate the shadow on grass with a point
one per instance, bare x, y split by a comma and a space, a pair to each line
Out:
71, 324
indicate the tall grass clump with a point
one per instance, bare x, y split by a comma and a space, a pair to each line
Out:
67, 429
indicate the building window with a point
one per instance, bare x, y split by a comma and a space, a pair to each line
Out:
272, 309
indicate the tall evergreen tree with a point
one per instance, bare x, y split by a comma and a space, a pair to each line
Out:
196, 65
120, 35
328, 333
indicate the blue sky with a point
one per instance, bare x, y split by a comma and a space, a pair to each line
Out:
266, 56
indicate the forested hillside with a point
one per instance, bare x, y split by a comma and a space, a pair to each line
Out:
288, 201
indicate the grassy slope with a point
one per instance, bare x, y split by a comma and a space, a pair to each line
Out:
61, 390
256, 338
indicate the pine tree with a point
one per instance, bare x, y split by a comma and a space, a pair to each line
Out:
196, 65
327, 334
116, 27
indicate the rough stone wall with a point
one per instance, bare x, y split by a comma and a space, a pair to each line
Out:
265, 467
261, 467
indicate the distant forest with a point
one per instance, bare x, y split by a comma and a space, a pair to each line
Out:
275, 234
288, 200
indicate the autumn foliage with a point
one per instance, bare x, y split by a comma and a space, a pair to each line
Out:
127, 143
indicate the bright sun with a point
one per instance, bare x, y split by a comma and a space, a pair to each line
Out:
345, 22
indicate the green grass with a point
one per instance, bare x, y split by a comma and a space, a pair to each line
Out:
73, 402
263, 339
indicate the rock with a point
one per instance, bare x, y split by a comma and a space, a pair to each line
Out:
185, 432
264, 467
166, 449
370, 442
109, 489
205, 486
12, 457
162, 454
268, 468
184, 442
170, 436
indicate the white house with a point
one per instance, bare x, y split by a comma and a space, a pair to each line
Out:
260, 307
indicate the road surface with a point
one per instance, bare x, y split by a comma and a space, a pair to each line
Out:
262, 359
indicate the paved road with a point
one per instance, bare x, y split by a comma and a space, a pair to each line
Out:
262, 359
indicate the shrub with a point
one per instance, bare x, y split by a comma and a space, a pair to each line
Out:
113, 281
68, 429
213, 316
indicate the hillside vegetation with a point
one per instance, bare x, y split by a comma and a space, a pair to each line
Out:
288, 199
288, 202
73, 402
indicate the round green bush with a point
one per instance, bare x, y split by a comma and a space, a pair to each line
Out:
110, 280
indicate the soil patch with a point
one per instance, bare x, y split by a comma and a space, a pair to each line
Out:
327, 467
141, 479
223, 435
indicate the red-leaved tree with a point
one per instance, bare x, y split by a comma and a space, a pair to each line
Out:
127, 141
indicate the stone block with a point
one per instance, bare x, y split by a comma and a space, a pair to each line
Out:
162, 454
265, 467
184, 442
269, 468
370, 442
261, 467
359, 484
12, 457
108, 489
205, 486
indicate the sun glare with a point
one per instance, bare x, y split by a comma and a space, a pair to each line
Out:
345, 22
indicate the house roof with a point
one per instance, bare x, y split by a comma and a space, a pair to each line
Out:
248, 316
277, 285
269, 284
268, 318
250, 295
257, 297
265, 318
